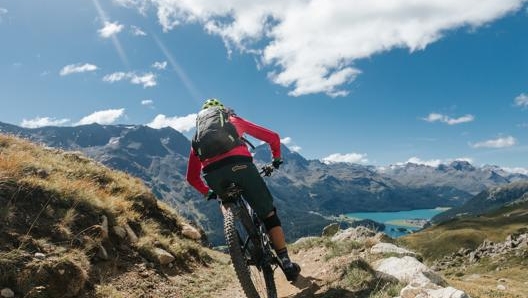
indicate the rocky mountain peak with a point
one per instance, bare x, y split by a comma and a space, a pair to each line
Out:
461, 165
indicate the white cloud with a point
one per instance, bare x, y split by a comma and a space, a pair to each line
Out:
347, 158
295, 148
110, 29
3, 11
77, 68
102, 117
312, 45
434, 117
434, 162
431, 163
181, 124
43, 121
500, 142
291, 144
115, 77
516, 170
147, 102
141, 5
160, 65
286, 140
137, 31
147, 79
522, 100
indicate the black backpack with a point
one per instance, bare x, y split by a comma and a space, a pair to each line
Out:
214, 133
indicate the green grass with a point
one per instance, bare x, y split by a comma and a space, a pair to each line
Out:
448, 237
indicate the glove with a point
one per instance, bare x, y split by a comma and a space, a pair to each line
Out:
277, 161
210, 195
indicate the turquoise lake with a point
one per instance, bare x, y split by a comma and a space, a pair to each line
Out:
393, 230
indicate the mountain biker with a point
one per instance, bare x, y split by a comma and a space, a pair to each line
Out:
236, 165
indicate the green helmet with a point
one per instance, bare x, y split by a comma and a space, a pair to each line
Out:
212, 102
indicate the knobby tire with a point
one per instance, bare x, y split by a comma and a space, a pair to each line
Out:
255, 283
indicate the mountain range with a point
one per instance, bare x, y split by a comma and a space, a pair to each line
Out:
309, 194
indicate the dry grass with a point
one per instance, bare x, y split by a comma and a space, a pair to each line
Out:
53, 201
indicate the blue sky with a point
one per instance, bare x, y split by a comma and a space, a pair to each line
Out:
376, 82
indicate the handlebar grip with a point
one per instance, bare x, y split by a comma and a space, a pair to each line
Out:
267, 170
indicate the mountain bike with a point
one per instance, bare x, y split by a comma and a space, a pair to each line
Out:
249, 246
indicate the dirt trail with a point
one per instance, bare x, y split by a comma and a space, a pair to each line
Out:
313, 277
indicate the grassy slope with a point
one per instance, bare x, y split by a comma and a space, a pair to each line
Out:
480, 279
54, 202
468, 232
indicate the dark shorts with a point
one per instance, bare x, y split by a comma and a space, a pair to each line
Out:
247, 176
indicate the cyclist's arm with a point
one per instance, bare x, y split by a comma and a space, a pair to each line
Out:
259, 132
194, 170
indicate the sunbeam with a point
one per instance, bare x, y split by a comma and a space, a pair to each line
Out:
195, 94
120, 52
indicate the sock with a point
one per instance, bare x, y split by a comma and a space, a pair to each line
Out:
283, 256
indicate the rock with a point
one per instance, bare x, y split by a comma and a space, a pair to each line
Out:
163, 256
382, 248
501, 287
473, 257
357, 234
191, 233
7, 293
104, 226
102, 253
414, 291
40, 256
330, 230
130, 233
408, 270
120, 232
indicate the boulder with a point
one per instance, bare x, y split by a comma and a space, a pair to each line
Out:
7, 293
104, 226
409, 270
417, 291
388, 248
356, 234
163, 256
132, 237
191, 233
120, 232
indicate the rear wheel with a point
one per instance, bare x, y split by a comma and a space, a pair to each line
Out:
256, 281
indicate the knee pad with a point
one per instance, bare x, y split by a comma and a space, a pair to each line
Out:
272, 221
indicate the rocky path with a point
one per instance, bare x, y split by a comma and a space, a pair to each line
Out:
312, 277
377, 268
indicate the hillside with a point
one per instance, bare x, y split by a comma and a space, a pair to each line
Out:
488, 201
484, 254
70, 227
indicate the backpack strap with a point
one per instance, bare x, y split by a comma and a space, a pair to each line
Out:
247, 142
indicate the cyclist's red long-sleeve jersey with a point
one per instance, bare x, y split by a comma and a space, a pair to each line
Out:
194, 167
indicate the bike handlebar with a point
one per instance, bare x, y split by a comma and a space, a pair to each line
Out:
267, 170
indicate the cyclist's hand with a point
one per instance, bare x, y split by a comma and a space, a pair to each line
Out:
277, 161
210, 195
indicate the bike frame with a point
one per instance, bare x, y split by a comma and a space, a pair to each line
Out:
249, 245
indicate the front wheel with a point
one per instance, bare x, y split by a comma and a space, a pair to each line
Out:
256, 281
